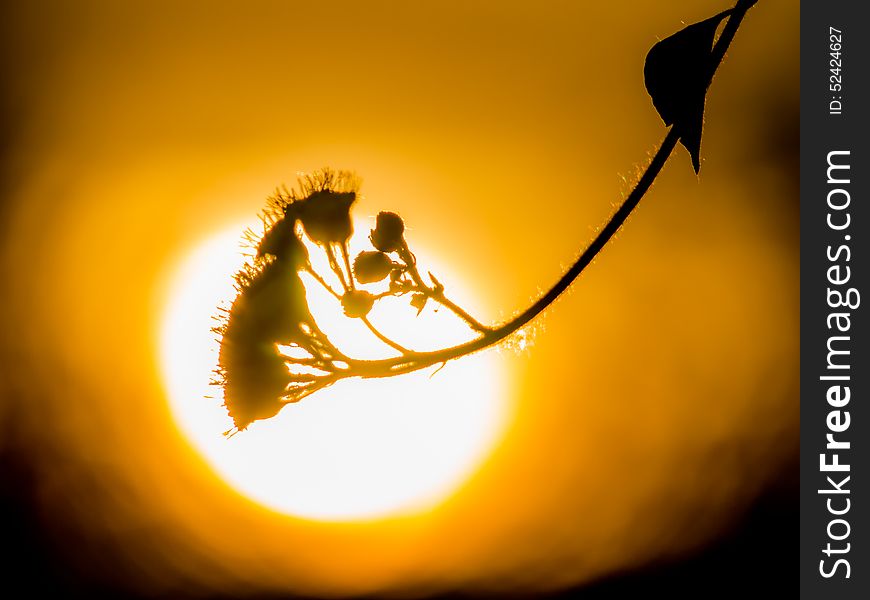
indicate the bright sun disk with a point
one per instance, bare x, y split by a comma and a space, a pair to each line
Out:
360, 449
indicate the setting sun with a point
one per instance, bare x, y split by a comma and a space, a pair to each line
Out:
360, 449
610, 426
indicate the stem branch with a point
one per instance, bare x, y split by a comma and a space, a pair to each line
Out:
383, 338
414, 361
437, 292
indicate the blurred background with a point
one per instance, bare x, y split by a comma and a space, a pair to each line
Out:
653, 437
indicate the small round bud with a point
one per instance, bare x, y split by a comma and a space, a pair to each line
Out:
369, 267
388, 232
357, 303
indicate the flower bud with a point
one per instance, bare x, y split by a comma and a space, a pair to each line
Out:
357, 303
325, 215
369, 267
388, 231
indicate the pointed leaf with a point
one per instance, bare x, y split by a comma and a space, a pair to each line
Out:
677, 74
418, 301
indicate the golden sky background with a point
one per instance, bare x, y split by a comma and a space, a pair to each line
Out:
661, 394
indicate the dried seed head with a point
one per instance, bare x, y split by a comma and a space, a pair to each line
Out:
270, 308
357, 303
388, 232
369, 267
322, 201
325, 215
253, 391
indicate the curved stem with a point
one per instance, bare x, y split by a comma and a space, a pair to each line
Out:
439, 297
383, 338
724, 41
372, 328
333, 264
419, 360
346, 257
322, 282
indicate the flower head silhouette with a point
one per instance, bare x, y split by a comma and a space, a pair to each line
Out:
271, 308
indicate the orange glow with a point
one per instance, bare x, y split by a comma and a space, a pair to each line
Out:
659, 398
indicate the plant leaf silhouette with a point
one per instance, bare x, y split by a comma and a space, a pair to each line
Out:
677, 74
418, 301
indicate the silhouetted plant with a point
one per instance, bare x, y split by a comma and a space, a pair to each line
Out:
271, 308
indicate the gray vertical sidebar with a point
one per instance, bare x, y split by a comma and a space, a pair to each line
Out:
835, 225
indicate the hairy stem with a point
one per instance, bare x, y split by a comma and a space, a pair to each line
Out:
322, 282
346, 258
414, 361
371, 327
439, 297
333, 264
437, 293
